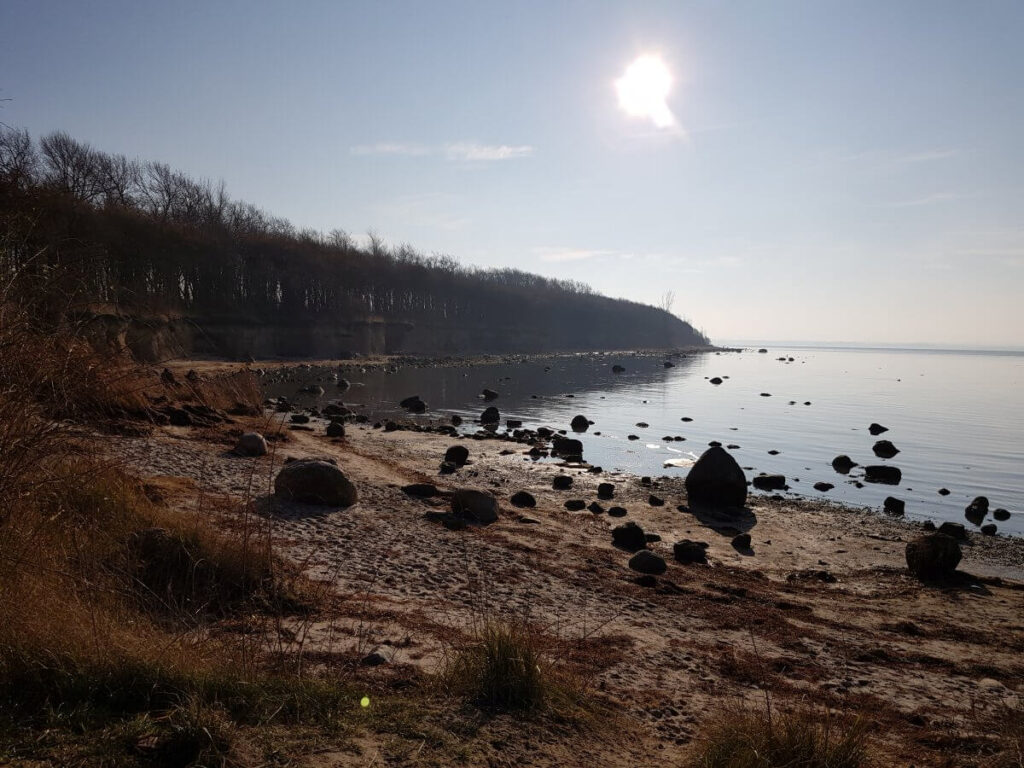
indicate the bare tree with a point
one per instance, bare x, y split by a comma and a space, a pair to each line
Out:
667, 300
19, 162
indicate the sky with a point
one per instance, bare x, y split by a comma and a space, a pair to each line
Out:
816, 170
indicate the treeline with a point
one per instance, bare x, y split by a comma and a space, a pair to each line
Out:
146, 238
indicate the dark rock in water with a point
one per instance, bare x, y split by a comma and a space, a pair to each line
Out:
447, 467
884, 449
596, 508
344, 384
523, 499
762, 351
489, 394
561, 482
933, 556
894, 506
883, 474
715, 380
766, 394
251, 444
989, 529
646, 561
716, 481
566, 446
977, 510
545, 432
313, 389
457, 455
513, 423
741, 542
823, 487
312, 481
616, 512
655, 501
770, 482
642, 424
688, 552
715, 444
420, 490
843, 464
475, 506
575, 505
605, 491
490, 416
335, 429
579, 423
877, 429
956, 530
773, 452
1001, 514
456, 419
618, 369
410, 403
629, 536
632, 437
943, 491
669, 364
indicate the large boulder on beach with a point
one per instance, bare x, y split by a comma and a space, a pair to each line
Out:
567, 447
251, 444
491, 415
475, 506
629, 536
457, 455
646, 561
689, 552
561, 482
716, 481
934, 556
335, 429
883, 474
313, 481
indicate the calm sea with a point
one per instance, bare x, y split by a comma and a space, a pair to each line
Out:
957, 417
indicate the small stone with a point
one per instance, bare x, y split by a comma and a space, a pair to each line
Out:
523, 499
741, 542
688, 552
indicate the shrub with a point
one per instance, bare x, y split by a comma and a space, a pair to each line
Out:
745, 738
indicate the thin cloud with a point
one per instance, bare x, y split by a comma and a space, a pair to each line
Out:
457, 151
569, 254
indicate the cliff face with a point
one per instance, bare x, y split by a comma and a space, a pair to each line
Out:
164, 337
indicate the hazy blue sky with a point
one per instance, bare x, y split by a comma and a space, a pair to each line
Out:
836, 171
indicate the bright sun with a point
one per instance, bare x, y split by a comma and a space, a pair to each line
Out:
643, 90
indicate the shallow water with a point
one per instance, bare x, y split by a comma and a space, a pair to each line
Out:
957, 417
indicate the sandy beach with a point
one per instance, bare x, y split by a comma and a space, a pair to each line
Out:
820, 610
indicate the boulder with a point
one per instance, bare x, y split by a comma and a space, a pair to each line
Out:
575, 505
843, 464
716, 481
770, 482
629, 536
823, 487
566, 446
618, 369
646, 561
489, 394
715, 380
989, 529
894, 506
877, 429
977, 510
884, 449
883, 474
475, 506
561, 482
447, 467
312, 481
933, 556
616, 512
955, 530
409, 402
1001, 514
688, 552
491, 415
523, 499
456, 419
605, 491
335, 429
344, 384
457, 455
251, 444
579, 423
741, 541
655, 501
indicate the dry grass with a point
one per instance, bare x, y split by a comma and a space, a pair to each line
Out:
748, 738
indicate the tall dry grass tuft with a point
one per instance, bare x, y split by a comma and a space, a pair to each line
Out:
750, 738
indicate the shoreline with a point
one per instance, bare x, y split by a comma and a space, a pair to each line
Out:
820, 608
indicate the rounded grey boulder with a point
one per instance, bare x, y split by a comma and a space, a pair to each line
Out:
934, 556
312, 481
646, 561
475, 506
251, 444
716, 480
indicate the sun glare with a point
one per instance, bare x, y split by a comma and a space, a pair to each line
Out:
643, 90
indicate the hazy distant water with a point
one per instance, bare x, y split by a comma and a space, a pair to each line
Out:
956, 416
